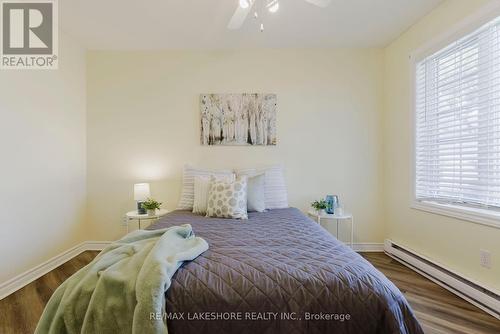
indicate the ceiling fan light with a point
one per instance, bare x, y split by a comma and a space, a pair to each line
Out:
273, 6
244, 4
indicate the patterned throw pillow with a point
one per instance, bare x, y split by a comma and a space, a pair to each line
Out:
228, 199
201, 189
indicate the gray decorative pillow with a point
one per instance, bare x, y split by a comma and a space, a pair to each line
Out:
255, 193
228, 199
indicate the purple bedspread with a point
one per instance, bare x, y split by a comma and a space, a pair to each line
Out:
279, 272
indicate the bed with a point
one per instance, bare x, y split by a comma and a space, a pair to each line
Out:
279, 272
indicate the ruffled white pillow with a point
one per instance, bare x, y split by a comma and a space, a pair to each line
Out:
187, 196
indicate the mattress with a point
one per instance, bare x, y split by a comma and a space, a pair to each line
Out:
279, 272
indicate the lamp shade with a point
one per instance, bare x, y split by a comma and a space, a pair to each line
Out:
141, 191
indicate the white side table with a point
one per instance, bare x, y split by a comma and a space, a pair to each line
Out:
339, 218
133, 215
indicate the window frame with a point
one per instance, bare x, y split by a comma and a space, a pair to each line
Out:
463, 212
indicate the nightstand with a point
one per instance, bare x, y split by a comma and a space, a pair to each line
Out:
338, 218
133, 215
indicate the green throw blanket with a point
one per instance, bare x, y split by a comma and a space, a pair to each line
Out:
123, 286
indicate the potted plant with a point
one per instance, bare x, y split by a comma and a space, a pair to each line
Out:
320, 206
151, 206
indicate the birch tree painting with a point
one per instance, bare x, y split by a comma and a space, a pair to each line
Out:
238, 119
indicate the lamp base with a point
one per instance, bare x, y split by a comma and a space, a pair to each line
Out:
140, 209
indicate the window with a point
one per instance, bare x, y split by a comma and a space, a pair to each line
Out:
457, 115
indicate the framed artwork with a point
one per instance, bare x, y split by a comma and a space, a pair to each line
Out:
238, 119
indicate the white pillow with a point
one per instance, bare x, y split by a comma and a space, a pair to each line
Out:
201, 189
256, 193
187, 196
275, 193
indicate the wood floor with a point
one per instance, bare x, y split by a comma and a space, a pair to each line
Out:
19, 312
438, 310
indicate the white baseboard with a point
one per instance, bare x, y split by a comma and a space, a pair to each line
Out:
95, 245
368, 247
21, 280
484, 297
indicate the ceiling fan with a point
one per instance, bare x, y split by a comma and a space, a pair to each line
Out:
272, 6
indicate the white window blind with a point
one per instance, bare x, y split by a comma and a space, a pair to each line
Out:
457, 105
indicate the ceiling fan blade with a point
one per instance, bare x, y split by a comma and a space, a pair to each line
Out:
320, 3
239, 16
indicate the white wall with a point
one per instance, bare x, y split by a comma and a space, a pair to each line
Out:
343, 128
452, 242
143, 125
43, 153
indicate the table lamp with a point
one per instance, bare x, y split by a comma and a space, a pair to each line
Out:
141, 194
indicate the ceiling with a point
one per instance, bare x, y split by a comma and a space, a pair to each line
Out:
195, 24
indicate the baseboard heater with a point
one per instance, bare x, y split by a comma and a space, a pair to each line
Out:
484, 298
